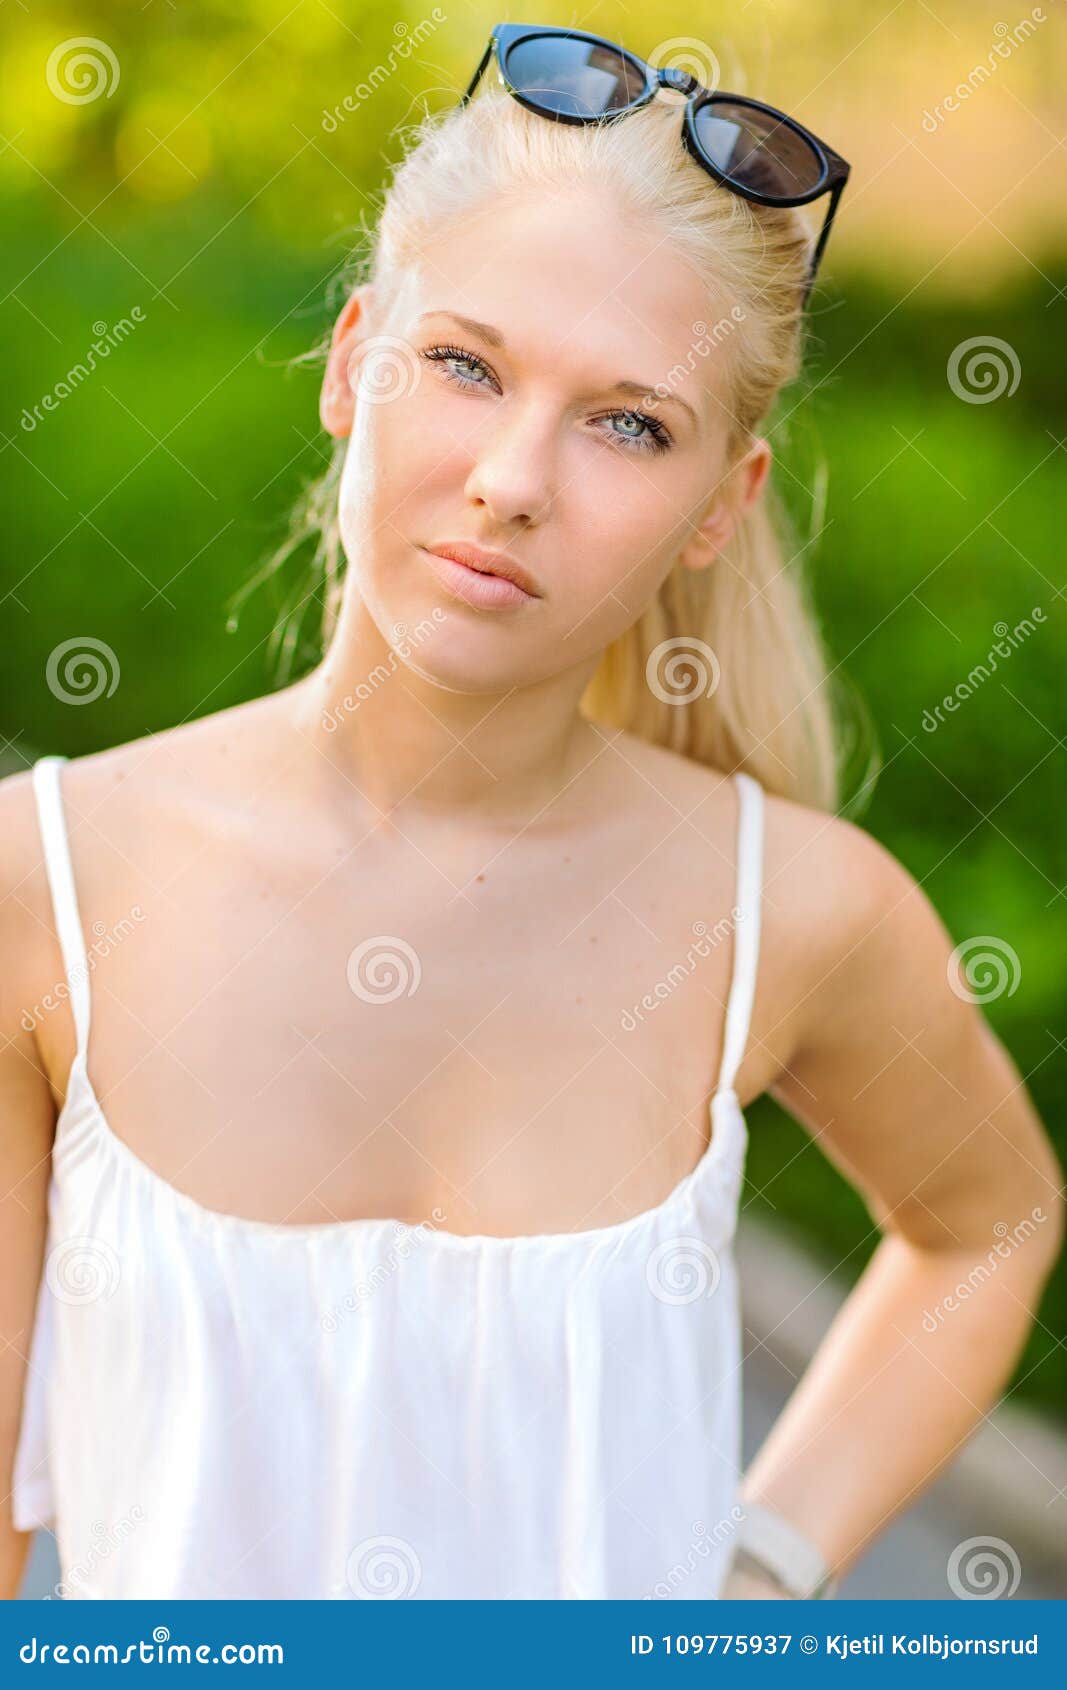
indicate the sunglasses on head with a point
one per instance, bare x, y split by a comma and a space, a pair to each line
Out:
750, 148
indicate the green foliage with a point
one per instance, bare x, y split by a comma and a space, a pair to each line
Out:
134, 510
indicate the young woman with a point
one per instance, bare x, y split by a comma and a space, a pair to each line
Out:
375, 1053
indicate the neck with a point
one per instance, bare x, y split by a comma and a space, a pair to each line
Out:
412, 746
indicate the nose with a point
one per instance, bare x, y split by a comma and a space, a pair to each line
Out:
513, 472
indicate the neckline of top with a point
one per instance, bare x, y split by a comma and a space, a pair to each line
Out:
741, 992
730, 1117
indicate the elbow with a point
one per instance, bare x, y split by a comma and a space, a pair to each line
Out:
1052, 1203
1056, 1226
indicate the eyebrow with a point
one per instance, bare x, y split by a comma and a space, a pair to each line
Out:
639, 389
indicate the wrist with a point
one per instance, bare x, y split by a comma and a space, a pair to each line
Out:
771, 1549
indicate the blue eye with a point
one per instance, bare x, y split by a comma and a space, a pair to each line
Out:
656, 439
656, 430
453, 354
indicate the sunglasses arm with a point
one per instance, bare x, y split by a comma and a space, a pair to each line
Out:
835, 194
477, 77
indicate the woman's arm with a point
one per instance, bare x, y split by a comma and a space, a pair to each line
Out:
904, 1086
27, 1125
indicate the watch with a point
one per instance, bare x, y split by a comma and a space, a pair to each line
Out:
775, 1546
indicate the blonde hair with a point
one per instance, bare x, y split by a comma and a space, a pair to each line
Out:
773, 708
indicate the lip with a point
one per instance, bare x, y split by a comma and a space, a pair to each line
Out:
485, 578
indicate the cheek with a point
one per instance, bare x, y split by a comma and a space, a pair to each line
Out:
630, 557
391, 465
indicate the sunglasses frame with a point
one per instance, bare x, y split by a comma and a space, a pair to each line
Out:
834, 169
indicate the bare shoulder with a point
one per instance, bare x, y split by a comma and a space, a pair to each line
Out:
848, 933
833, 880
894, 1068
117, 800
175, 769
822, 874
872, 942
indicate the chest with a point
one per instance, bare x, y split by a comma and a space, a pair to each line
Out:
520, 1037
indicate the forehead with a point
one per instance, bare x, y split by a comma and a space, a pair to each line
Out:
578, 292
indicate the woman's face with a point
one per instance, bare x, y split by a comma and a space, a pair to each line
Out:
516, 436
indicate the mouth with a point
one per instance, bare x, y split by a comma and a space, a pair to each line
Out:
485, 579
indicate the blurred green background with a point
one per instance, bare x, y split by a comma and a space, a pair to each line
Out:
201, 189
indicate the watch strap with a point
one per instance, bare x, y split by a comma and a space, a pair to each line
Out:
781, 1549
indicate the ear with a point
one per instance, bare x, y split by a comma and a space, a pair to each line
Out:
337, 399
740, 490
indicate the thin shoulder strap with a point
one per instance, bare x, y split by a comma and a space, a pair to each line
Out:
53, 826
747, 929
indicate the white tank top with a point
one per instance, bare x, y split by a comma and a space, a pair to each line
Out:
223, 1407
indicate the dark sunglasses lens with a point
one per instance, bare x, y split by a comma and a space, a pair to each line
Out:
756, 150
575, 77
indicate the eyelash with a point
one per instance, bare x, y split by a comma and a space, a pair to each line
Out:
660, 438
